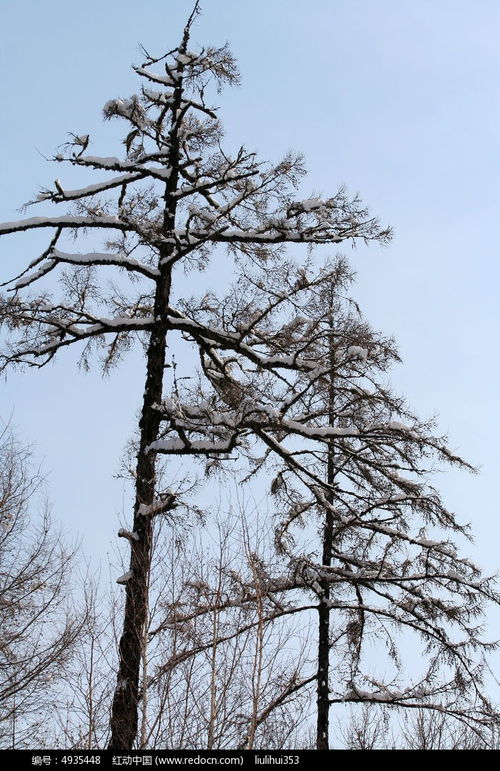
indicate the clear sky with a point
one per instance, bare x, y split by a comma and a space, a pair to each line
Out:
398, 100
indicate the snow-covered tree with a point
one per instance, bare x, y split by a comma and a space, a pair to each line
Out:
352, 463
388, 567
169, 200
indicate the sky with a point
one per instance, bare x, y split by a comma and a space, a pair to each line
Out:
396, 100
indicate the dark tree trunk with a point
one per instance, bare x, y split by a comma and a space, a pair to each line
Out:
124, 714
323, 689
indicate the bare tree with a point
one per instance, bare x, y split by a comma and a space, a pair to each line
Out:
368, 729
173, 196
435, 731
219, 675
39, 627
372, 727
81, 720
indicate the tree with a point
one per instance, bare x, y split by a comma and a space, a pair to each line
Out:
351, 459
81, 720
218, 675
421, 730
39, 627
386, 561
173, 197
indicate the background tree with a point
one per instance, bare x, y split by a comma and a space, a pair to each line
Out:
371, 728
173, 196
81, 720
39, 626
219, 676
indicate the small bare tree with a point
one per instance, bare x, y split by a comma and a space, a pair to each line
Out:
220, 676
81, 720
38, 626
435, 731
372, 727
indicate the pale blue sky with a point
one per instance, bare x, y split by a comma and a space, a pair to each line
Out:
397, 99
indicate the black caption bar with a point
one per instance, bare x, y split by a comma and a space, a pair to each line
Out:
140, 759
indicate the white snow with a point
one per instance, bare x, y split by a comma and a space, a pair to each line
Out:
122, 533
92, 189
394, 425
93, 258
164, 79
199, 445
157, 96
128, 108
183, 59
311, 203
68, 219
158, 506
358, 352
454, 575
31, 277
316, 432
126, 321
104, 162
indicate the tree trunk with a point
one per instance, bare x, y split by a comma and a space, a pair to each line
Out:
124, 716
323, 690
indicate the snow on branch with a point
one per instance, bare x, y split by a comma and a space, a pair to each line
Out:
137, 168
130, 536
165, 80
67, 221
444, 698
57, 327
55, 257
100, 258
275, 236
59, 194
160, 505
186, 446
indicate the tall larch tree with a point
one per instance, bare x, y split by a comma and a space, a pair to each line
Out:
367, 541
170, 199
